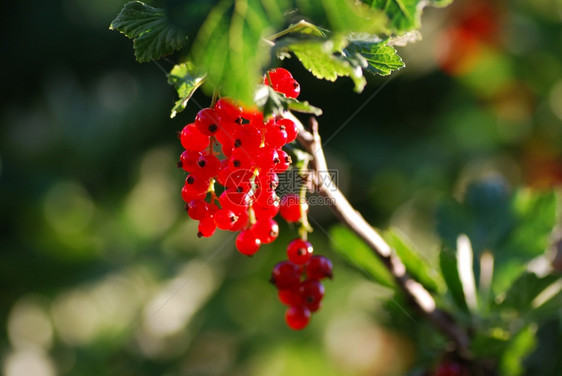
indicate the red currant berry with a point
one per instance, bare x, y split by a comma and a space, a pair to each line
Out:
299, 251
291, 207
208, 165
276, 75
207, 121
228, 109
290, 128
289, 297
197, 209
267, 159
188, 194
241, 159
284, 161
188, 160
192, 139
225, 219
247, 138
286, 275
268, 180
239, 180
289, 86
265, 211
319, 267
276, 136
266, 230
297, 317
311, 293
247, 243
242, 222
206, 227
197, 183
236, 201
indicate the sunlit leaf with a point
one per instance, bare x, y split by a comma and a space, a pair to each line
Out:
382, 59
186, 80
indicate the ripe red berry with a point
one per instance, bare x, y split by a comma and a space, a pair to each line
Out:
207, 121
276, 75
206, 227
286, 275
188, 194
247, 243
267, 159
236, 201
319, 267
225, 219
311, 293
228, 109
247, 138
191, 138
198, 209
299, 251
265, 210
290, 128
289, 297
207, 165
276, 136
241, 159
284, 161
197, 182
291, 207
266, 230
297, 317
188, 160
289, 86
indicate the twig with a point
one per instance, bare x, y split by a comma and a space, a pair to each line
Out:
418, 295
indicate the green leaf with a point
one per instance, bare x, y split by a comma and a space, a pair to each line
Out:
525, 289
417, 267
382, 59
274, 103
153, 36
186, 80
231, 48
354, 251
344, 16
511, 363
490, 344
405, 15
449, 270
321, 60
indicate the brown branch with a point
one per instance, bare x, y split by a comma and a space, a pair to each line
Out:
417, 294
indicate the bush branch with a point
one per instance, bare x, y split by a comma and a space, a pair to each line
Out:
417, 294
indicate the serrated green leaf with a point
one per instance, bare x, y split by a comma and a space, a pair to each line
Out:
274, 103
417, 267
511, 363
449, 270
186, 80
321, 60
405, 15
153, 36
382, 59
231, 48
354, 251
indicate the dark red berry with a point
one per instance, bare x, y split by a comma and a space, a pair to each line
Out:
289, 297
291, 207
299, 251
206, 227
247, 243
311, 293
319, 267
449, 368
207, 121
191, 138
284, 161
286, 275
266, 230
297, 317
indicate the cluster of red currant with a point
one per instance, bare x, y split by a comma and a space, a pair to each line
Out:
245, 199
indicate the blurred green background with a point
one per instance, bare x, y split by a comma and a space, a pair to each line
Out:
101, 271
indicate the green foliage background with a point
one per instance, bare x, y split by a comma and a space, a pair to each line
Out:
100, 268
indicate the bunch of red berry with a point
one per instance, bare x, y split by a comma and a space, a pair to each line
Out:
233, 156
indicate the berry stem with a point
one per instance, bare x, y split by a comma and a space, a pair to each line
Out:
418, 295
305, 227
